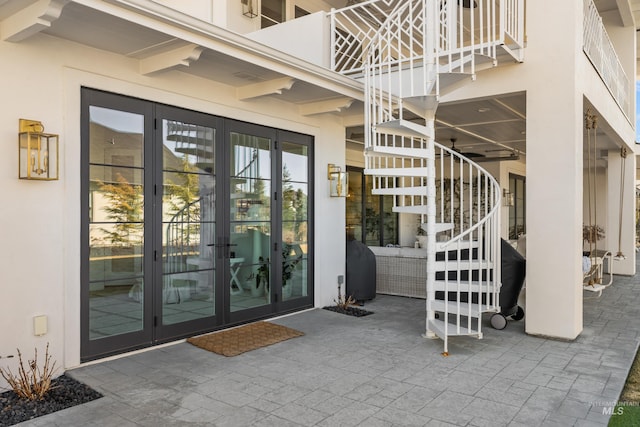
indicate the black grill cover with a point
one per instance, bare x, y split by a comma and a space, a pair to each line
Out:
513, 274
361, 271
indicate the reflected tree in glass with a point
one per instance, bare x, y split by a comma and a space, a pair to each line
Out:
125, 208
182, 199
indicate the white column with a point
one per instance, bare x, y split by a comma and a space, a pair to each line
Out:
554, 171
625, 240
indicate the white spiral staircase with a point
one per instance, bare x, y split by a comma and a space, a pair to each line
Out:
422, 49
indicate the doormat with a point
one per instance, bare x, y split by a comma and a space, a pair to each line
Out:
244, 338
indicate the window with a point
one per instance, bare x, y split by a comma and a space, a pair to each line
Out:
517, 212
300, 12
272, 12
369, 218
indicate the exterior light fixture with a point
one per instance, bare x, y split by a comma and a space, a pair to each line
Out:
337, 181
508, 197
37, 152
249, 8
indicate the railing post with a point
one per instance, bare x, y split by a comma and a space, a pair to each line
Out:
332, 29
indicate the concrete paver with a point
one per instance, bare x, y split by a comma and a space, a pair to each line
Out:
375, 371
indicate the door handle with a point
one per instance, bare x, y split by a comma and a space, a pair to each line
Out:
223, 243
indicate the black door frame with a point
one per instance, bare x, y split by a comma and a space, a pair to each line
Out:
162, 332
153, 332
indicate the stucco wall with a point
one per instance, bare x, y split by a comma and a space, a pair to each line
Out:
314, 47
557, 78
40, 257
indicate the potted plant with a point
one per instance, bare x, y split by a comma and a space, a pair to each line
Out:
421, 235
290, 259
262, 278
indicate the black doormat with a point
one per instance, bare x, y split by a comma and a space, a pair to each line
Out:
349, 311
65, 393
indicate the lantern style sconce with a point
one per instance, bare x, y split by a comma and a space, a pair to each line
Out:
249, 8
337, 181
37, 152
507, 198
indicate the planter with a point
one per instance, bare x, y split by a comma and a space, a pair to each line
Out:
257, 290
286, 290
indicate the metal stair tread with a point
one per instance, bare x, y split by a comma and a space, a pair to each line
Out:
402, 127
418, 209
396, 172
437, 326
415, 153
440, 226
462, 286
460, 244
462, 264
401, 191
454, 307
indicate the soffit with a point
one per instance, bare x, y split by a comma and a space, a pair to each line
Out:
257, 63
492, 127
488, 127
484, 126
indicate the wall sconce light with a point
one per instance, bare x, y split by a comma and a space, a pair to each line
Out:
337, 181
37, 152
249, 8
507, 198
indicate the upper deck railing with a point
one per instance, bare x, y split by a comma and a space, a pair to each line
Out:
476, 29
600, 51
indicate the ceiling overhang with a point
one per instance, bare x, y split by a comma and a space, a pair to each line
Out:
162, 39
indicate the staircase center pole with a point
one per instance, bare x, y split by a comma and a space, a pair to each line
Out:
431, 27
431, 218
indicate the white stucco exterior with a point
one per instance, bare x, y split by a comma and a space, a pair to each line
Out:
42, 77
43, 259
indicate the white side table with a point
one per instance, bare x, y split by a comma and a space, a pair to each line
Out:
234, 268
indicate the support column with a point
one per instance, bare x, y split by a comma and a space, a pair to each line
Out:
625, 240
554, 171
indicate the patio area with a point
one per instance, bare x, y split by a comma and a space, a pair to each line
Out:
376, 371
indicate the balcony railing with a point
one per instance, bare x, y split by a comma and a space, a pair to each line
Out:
600, 51
352, 28
462, 32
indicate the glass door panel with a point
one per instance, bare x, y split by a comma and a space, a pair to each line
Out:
188, 222
116, 223
295, 220
177, 223
250, 221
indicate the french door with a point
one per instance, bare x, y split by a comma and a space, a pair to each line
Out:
191, 222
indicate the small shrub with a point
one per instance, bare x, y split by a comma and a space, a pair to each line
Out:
31, 382
343, 301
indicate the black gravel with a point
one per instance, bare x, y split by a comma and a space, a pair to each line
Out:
66, 393
350, 311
